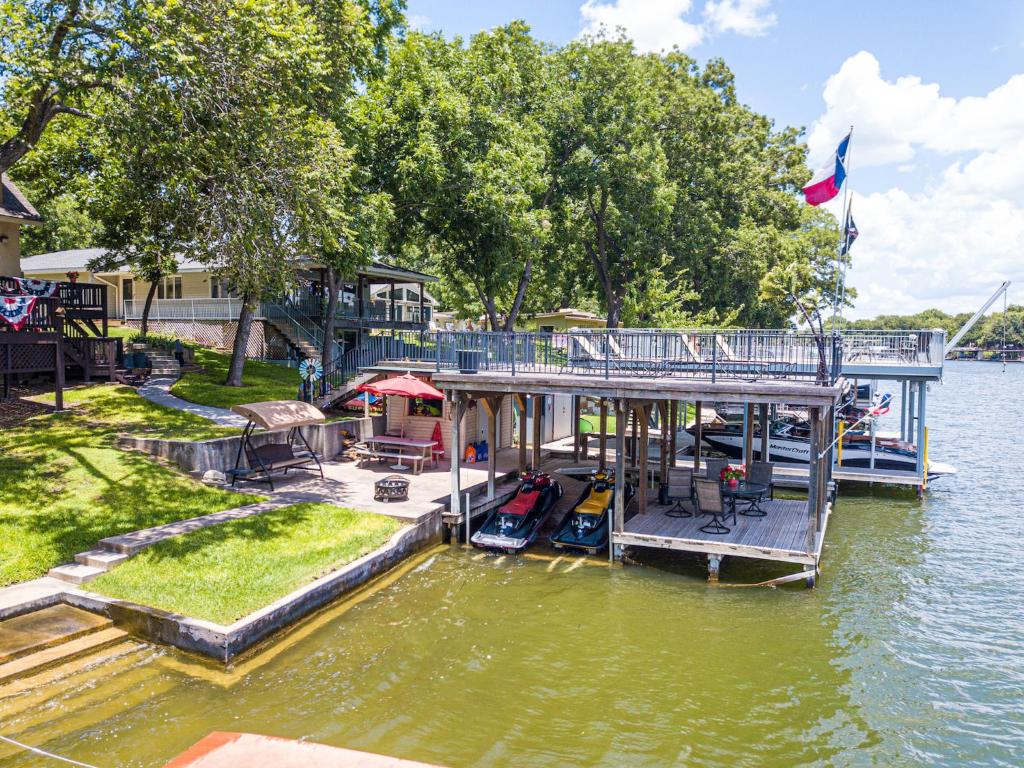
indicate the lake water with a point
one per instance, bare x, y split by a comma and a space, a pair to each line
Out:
909, 652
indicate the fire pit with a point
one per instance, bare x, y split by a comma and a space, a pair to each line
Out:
392, 487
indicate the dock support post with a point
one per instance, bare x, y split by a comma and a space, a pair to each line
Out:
698, 428
811, 572
619, 514
577, 436
520, 403
762, 418
904, 393
538, 416
457, 406
714, 565
632, 437
922, 397
492, 406
643, 415
602, 441
673, 424
663, 409
813, 477
748, 437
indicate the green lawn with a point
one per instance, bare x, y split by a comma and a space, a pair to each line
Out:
64, 486
227, 571
262, 381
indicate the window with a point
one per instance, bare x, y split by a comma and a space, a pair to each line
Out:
169, 288
219, 289
127, 288
420, 407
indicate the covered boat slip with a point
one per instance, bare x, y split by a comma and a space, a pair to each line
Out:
792, 531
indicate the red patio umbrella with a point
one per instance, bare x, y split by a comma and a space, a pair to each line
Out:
406, 385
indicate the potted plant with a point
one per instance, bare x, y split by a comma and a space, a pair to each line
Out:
72, 276
732, 475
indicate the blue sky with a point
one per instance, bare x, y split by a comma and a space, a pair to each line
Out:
935, 91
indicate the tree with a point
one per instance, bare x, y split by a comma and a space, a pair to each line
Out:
459, 146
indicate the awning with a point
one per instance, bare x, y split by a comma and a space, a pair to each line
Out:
406, 385
281, 414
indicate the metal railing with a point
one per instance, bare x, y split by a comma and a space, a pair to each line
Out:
184, 309
732, 354
909, 348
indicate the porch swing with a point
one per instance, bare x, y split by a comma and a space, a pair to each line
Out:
294, 452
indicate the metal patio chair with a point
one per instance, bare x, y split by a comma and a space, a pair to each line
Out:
760, 474
710, 502
680, 489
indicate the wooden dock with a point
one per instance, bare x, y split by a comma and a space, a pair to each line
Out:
783, 535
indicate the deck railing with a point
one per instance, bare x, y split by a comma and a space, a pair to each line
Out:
733, 354
905, 348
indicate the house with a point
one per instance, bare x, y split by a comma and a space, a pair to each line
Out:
194, 303
15, 212
563, 320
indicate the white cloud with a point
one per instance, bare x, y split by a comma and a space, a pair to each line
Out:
744, 17
658, 25
951, 244
654, 25
418, 21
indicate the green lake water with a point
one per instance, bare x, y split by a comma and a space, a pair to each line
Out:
909, 652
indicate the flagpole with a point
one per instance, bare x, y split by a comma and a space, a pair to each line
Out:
847, 199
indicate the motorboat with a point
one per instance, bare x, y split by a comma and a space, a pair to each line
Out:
586, 526
514, 525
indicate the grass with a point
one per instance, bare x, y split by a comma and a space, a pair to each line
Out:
64, 486
262, 381
227, 571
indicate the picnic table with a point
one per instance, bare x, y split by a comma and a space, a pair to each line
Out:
399, 448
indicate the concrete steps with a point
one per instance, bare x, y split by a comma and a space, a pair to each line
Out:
76, 573
61, 633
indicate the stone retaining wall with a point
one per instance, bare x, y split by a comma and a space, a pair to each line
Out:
220, 454
223, 643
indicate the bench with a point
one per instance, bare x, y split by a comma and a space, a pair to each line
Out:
415, 460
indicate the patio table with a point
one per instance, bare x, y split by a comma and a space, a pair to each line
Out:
423, 447
745, 491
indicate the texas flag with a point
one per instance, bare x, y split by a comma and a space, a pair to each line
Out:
828, 179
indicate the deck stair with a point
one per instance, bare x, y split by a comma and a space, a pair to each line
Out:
294, 339
162, 362
51, 636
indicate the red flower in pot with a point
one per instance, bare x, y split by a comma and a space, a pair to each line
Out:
732, 475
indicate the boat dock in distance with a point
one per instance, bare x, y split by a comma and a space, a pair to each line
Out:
634, 374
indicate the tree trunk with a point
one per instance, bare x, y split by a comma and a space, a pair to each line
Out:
517, 304
327, 354
144, 325
241, 342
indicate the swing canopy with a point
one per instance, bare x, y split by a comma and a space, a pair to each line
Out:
280, 414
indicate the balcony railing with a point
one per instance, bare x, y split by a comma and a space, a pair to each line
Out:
229, 309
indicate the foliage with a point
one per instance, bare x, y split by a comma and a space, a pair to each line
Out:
160, 340
989, 332
457, 142
64, 485
263, 381
227, 571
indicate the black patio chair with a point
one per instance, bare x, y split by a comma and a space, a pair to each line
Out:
760, 474
680, 489
710, 502
713, 468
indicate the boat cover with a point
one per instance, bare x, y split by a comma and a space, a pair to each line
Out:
596, 503
521, 504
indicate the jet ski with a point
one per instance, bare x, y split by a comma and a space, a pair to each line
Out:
586, 526
514, 525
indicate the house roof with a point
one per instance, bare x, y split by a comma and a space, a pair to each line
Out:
76, 260
14, 205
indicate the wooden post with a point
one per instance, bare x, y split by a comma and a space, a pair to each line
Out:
762, 417
922, 397
619, 518
697, 433
58, 358
576, 436
491, 406
538, 415
632, 437
673, 421
602, 441
663, 408
391, 283
457, 406
643, 415
748, 436
520, 403
814, 468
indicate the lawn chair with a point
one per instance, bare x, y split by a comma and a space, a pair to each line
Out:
710, 502
680, 488
713, 468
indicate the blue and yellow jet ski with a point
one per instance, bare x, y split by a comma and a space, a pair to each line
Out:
586, 526
515, 524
